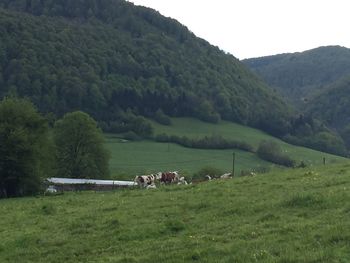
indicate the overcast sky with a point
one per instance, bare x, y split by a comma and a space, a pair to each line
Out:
254, 28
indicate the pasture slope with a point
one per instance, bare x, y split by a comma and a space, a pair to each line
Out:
130, 158
294, 215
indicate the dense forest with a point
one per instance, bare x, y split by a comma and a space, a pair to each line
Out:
107, 56
332, 105
120, 63
317, 81
298, 76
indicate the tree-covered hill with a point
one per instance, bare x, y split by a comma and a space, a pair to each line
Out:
111, 58
297, 76
332, 105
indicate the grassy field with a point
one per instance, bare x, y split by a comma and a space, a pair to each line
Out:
131, 158
299, 215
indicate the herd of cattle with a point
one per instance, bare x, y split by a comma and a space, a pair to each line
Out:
149, 181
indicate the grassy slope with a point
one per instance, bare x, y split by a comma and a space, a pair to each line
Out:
141, 157
297, 215
131, 158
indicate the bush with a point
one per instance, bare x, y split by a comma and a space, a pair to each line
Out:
272, 152
161, 118
322, 141
132, 136
207, 142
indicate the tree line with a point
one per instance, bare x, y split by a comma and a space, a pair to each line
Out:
30, 151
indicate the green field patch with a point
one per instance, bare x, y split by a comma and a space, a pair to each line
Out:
304, 200
143, 157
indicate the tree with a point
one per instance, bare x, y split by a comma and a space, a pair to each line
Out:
24, 147
80, 147
271, 151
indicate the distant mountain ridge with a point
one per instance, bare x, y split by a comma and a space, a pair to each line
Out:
298, 76
107, 57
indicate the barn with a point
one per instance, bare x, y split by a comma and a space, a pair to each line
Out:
71, 184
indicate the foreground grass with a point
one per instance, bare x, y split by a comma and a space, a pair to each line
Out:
297, 215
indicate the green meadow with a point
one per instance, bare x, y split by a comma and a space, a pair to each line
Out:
291, 215
131, 158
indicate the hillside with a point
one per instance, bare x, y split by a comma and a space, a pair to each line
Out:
286, 216
141, 157
332, 106
105, 57
297, 76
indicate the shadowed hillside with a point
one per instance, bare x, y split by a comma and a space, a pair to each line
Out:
108, 56
297, 76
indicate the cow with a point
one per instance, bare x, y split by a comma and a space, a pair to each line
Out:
168, 177
151, 186
226, 176
208, 177
144, 180
182, 181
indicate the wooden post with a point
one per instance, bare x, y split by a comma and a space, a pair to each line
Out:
324, 160
233, 164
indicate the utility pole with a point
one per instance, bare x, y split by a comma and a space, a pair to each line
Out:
233, 164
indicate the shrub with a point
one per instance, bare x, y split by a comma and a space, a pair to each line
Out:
161, 118
132, 136
272, 152
207, 142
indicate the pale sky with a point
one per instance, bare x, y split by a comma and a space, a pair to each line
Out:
254, 28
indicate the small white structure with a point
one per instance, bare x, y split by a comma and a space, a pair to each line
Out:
72, 184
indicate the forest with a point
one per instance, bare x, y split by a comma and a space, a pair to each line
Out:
122, 63
299, 76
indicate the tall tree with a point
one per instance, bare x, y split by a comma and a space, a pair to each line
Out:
24, 144
80, 147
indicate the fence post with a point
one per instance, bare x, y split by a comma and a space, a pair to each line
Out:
233, 164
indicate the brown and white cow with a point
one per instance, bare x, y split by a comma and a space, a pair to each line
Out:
145, 180
168, 177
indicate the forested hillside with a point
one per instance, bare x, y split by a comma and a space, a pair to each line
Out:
297, 76
109, 56
332, 105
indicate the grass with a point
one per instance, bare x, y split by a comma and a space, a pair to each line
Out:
131, 158
294, 215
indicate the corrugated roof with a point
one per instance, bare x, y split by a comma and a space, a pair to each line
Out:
56, 180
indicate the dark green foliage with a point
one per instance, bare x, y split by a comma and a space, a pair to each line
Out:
309, 132
80, 147
345, 134
332, 105
299, 75
161, 118
129, 122
318, 81
24, 148
322, 141
104, 57
271, 151
207, 142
